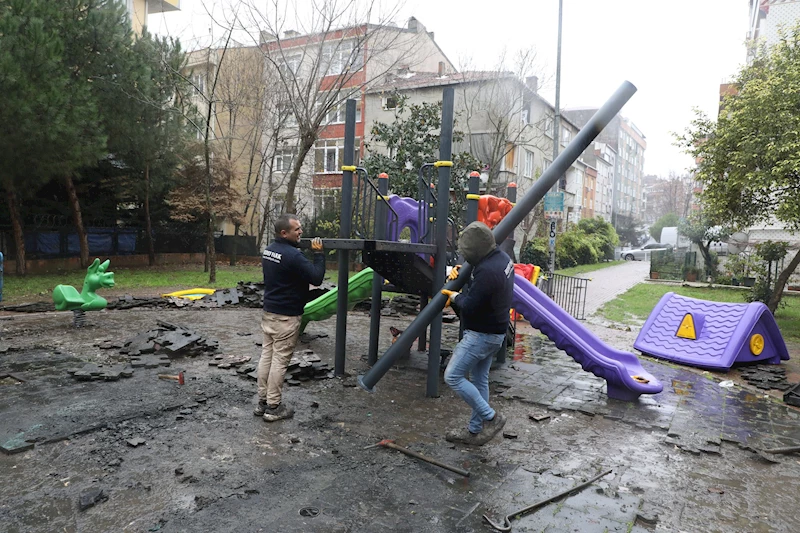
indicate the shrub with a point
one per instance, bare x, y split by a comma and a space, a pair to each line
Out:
574, 247
535, 253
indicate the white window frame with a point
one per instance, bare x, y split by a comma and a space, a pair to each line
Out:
290, 64
284, 159
528, 169
336, 115
199, 83
339, 57
549, 123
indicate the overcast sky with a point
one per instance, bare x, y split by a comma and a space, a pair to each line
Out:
676, 52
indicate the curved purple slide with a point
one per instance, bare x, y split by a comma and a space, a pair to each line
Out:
625, 377
407, 210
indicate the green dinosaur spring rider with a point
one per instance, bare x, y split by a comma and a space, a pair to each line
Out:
67, 298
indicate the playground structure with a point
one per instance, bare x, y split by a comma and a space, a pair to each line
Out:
418, 267
711, 335
67, 298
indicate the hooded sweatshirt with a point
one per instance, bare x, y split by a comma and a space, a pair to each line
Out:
287, 275
486, 306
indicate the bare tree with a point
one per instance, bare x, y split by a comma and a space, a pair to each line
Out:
497, 112
323, 57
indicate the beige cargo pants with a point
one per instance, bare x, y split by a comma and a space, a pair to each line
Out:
280, 337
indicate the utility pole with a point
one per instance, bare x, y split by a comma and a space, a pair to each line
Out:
553, 222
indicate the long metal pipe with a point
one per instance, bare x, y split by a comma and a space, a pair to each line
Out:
345, 226
550, 176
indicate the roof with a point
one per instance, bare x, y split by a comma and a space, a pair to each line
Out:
422, 80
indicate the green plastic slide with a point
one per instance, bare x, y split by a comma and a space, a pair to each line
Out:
359, 288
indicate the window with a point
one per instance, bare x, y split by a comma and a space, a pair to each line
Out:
286, 116
337, 115
341, 57
284, 159
566, 136
528, 171
546, 164
390, 102
548, 126
290, 65
326, 202
199, 84
201, 128
329, 156
524, 117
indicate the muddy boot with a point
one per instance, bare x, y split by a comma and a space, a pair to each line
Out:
281, 412
492, 427
463, 436
263, 407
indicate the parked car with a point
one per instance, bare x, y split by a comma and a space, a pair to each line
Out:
643, 253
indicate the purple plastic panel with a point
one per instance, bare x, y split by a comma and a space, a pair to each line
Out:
723, 334
407, 210
618, 368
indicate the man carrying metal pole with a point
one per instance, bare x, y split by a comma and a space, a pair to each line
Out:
484, 313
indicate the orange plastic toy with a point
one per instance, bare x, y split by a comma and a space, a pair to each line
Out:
491, 209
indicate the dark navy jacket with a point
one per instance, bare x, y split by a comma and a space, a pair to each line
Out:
287, 275
486, 306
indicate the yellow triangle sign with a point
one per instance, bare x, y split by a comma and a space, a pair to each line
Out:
686, 329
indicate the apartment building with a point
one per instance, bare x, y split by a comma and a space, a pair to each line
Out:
506, 124
335, 66
629, 145
138, 10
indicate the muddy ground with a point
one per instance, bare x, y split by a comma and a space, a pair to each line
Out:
207, 464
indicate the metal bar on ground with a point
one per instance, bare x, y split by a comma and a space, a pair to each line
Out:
581, 141
344, 232
390, 444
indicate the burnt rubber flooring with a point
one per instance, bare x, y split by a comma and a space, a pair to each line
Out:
689, 459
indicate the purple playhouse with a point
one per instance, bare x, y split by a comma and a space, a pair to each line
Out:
711, 335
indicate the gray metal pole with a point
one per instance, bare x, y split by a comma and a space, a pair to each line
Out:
550, 176
377, 279
556, 135
345, 224
442, 213
511, 196
473, 195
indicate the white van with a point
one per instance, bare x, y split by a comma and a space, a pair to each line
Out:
669, 235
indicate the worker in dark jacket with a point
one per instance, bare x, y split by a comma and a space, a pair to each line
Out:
287, 275
484, 313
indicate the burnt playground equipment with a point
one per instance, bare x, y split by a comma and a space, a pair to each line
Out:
380, 253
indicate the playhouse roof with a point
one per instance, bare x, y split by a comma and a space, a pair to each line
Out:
711, 334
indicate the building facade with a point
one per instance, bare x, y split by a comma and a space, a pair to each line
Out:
138, 10
339, 65
629, 145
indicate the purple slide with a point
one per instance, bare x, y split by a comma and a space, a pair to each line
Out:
407, 210
625, 377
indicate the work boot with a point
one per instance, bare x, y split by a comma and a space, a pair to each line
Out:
492, 427
281, 412
465, 436
263, 407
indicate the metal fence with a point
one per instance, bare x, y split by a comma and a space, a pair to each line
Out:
668, 264
567, 291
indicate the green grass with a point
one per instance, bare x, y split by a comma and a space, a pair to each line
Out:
634, 306
583, 269
174, 277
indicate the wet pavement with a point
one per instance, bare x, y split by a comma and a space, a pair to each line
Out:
193, 458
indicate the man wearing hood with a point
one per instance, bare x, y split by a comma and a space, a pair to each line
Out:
287, 275
484, 314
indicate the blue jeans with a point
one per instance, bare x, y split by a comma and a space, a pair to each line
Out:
473, 355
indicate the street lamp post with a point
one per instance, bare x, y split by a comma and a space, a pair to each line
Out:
553, 223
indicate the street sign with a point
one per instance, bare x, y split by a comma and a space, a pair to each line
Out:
554, 204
